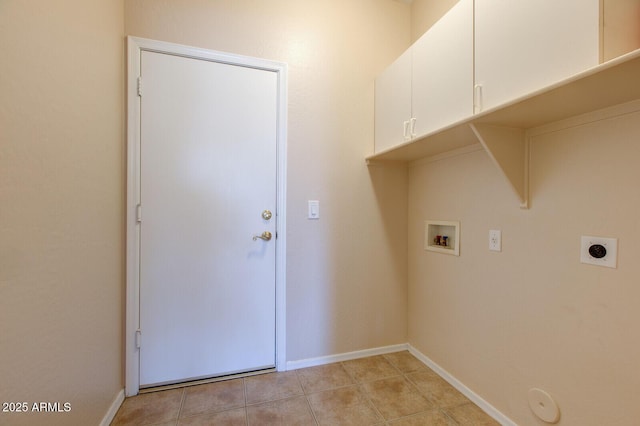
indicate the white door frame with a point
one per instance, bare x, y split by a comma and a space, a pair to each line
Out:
135, 46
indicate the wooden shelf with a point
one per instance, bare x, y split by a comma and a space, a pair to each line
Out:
501, 130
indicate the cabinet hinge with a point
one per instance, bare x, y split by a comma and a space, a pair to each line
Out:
138, 338
140, 86
139, 213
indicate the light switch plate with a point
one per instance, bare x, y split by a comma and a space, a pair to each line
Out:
607, 248
314, 209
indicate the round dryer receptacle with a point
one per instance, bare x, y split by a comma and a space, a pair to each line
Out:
598, 251
543, 405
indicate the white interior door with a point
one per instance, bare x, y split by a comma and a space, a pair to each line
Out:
207, 173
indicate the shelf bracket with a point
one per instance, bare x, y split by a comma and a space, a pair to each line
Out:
508, 148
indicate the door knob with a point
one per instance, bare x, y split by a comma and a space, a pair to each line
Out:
266, 215
266, 236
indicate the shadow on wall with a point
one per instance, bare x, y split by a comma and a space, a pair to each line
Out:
390, 186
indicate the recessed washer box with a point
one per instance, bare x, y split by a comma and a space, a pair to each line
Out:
442, 236
599, 251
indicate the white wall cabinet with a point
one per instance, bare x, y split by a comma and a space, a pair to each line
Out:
442, 84
532, 62
430, 85
522, 46
393, 103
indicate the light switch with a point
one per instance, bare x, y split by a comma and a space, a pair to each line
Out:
314, 209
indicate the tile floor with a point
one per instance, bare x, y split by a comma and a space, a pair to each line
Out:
393, 389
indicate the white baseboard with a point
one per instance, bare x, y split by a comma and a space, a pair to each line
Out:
113, 409
312, 362
474, 397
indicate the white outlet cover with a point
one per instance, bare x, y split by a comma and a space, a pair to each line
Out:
495, 240
610, 260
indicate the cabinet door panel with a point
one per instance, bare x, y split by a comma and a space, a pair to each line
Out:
524, 45
443, 71
392, 103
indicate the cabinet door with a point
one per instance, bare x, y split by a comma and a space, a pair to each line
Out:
393, 103
525, 45
442, 79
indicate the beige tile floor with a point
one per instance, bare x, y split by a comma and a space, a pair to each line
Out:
393, 389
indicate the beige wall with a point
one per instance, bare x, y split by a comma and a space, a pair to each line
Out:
61, 207
533, 315
346, 273
621, 27
425, 13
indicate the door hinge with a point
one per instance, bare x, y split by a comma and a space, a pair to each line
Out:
138, 338
139, 213
140, 86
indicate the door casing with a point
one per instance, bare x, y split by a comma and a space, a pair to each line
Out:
135, 47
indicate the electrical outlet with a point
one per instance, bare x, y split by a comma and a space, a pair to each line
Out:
495, 240
599, 251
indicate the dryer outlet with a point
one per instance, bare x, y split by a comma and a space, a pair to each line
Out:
599, 251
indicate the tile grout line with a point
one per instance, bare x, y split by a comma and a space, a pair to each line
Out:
405, 375
401, 374
246, 409
306, 397
366, 394
443, 410
183, 398
436, 406
446, 413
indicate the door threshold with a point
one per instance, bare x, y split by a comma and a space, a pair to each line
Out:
205, 381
